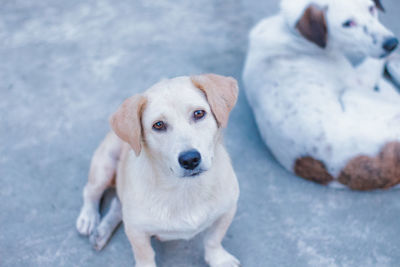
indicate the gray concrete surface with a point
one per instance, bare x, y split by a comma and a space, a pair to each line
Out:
66, 65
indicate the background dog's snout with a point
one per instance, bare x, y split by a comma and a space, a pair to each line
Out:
390, 44
189, 159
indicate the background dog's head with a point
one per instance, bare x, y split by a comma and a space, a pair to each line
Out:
177, 121
350, 26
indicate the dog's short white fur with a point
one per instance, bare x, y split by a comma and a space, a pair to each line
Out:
156, 195
307, 96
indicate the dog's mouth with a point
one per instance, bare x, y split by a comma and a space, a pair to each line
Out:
382, 56
193, 173
385, 54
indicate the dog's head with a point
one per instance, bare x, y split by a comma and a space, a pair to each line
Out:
178, 121
350, 26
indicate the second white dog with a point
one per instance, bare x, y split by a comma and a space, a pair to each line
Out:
322, 117
173, 175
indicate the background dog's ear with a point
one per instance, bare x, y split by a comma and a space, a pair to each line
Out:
379, 5
126, 121
312, 25
221, 93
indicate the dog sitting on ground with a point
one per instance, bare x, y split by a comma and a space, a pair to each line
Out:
173, 176
313, 77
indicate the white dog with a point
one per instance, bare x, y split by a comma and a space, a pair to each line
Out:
173, 175
323, 117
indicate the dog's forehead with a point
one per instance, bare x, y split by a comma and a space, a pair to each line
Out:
293, 10
354, 6
178, 93
343, 10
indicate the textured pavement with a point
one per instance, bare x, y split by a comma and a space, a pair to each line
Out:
66, 65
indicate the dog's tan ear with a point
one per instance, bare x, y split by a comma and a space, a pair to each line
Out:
126, 121
379, 5
312, 25
221, 93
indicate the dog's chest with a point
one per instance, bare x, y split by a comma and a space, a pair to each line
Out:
185, 226
177, 218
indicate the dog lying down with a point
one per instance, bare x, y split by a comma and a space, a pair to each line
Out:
173, 176
323, 117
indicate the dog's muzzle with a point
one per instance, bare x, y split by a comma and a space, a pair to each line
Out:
390, 44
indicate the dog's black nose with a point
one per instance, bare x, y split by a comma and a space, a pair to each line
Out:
189, 159
390, 44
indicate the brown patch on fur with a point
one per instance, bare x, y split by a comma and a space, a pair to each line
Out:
221, 93
126, 121
380, 172
312, 25
361, 173
313, 170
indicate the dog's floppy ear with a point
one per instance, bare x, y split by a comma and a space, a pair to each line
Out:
126, 121
221, 93
312, 25
379, 5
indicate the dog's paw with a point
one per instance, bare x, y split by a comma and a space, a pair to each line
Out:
87, 221
99, 237
149, 264
221, 258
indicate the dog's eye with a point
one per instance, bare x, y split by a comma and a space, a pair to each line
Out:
198, 114
349, 23
159, 126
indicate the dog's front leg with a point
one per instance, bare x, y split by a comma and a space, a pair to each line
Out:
141, 246
102, 170
215, 254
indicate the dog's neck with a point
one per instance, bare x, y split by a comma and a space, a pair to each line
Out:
356, 60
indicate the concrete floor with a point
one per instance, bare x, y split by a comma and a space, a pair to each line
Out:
66, 65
